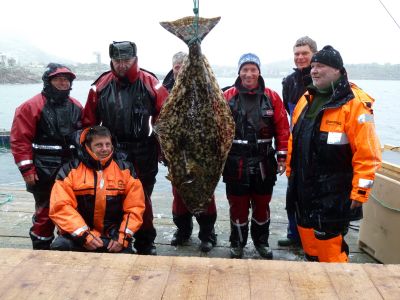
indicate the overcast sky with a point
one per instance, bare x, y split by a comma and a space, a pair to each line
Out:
360, 29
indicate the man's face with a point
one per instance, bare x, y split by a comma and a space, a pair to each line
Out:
175, 69
101, 146
302, 56
249, 75
323, 76
61, 82
121, 66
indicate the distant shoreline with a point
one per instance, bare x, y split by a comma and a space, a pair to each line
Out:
33, 74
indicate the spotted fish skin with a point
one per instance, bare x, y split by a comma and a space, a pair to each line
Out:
195, 127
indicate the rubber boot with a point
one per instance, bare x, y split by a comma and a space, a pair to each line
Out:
238, 239
144, 242
184, 224
260, 235
207, 234
292, 239
40, 243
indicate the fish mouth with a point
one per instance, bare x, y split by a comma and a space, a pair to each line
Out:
189, 181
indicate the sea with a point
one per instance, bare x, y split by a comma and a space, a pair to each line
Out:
386, 110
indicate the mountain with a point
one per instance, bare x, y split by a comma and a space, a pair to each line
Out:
25, 53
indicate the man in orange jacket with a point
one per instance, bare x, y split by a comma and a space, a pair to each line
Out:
96, 203
333, 154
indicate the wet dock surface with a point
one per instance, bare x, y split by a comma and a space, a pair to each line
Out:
17, 205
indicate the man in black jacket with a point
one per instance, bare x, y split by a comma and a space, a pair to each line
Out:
177, 62
41, 142
128, 100
294, 86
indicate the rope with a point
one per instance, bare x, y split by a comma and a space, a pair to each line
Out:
383, 204
394, 20
8, 198
195, 22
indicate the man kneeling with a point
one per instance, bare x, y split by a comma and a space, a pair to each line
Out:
96, 203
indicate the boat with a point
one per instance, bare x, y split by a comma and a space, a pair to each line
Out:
4, 139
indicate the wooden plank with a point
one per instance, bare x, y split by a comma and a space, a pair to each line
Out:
386, 279
25, 278
16, 242
28, 274
13, 230
52, 274
147, 278
15, 223
343, 278
60, 275
188, 278
9, 261
309, 280
270, 279
229, 279
21, 200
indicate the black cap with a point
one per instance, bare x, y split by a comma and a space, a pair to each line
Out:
328, 56
122, 50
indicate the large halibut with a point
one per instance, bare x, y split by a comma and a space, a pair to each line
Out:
195, 127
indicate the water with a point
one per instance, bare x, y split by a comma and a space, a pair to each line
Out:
386, 112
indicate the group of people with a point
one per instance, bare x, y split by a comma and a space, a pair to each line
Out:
94, 182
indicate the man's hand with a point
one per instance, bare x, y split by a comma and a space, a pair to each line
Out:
31, 179
114, 246
355, 204
93, 244
281, 167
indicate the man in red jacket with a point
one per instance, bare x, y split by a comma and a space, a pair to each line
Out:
127, 100
251, 168
40, 143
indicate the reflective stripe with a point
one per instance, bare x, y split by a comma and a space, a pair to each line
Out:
24, 162
128, 231
50, 147
42, 238
240, 142
319, 233
365, 183
260, 223
150, 126
238, 224
246, 141
264, 141
365, 118
79, 231
337, 138
281, 152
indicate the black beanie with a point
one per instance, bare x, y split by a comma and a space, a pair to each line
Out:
328, 56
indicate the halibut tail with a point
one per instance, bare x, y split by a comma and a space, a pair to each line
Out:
186, 29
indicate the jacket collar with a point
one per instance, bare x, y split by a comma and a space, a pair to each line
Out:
131, 75
89, 158
257, 90
340, 94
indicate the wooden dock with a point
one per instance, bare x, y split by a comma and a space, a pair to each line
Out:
17, 205
181, 272
28, 274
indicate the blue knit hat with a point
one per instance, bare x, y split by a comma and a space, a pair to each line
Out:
249, 58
